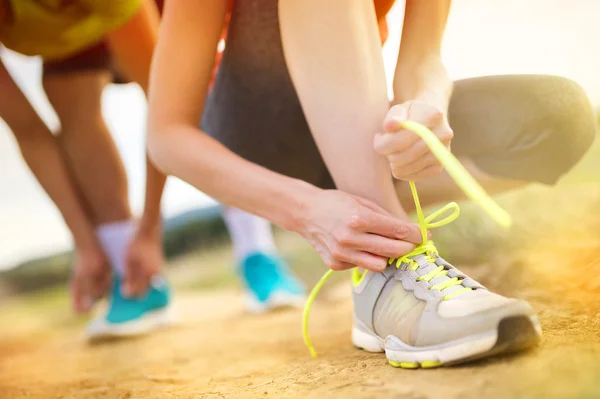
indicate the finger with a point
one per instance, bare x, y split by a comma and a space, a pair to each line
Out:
339, 265
427, 173
76, 300
136, 282
378, 245
101, 285
425, 113
129, 283
392, 227
361, 259
394, 141
395, 116
82, 302
445, 133
416, 151
422, 162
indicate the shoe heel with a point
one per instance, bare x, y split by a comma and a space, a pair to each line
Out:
366, 341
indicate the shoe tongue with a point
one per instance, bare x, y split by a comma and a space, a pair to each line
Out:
426, 266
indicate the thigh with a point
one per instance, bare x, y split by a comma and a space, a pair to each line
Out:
76, 96
16, 110
524, 127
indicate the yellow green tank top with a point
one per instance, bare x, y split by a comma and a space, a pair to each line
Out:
56, 29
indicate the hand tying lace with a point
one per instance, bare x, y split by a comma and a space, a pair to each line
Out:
427, 249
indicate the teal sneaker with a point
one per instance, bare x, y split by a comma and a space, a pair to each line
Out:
128, 317
270, 283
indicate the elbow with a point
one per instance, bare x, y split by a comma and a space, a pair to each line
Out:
158, 149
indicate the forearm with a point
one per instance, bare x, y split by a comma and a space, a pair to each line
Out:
422, 78
185, 152
420, 73
180, 81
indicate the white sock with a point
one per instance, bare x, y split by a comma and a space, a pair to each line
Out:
114, 238
249, 233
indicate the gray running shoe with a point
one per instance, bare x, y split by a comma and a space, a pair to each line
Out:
423, 312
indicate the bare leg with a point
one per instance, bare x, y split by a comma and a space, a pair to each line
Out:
89, 149
42, 154
510, 131
341, 85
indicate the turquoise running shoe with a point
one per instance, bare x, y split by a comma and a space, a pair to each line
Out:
270, 284
127, 317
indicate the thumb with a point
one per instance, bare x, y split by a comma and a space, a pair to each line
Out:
82, 303
395, 116
128, 288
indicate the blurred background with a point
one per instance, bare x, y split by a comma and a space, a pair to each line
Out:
537, 36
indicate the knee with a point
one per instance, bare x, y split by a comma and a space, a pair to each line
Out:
567, 120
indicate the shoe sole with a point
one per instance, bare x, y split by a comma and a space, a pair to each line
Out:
513, 334
277, 300
100, 329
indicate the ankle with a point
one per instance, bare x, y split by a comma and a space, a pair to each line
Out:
114, 238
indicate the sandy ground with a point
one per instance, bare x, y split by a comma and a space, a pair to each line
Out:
551, 257
221, 352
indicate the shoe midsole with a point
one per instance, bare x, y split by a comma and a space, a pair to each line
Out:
146, 323
398, 351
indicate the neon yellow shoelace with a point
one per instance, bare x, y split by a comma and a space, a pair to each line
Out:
471, 188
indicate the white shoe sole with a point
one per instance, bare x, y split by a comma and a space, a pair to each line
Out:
512, 334
277, 300
100, 329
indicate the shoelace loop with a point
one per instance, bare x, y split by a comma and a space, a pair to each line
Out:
471, 188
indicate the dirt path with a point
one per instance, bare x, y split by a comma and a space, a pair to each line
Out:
220, 352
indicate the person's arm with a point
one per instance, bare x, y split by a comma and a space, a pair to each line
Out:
422, 92
182, 70
420, 73
331, 221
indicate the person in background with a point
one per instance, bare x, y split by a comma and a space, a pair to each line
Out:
298, 129
84, 46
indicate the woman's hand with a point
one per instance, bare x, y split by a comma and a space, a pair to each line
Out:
348, 231
409, 157
90, 280
144, 260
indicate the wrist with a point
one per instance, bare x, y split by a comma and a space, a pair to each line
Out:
150, 228
425, 79
297, 206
